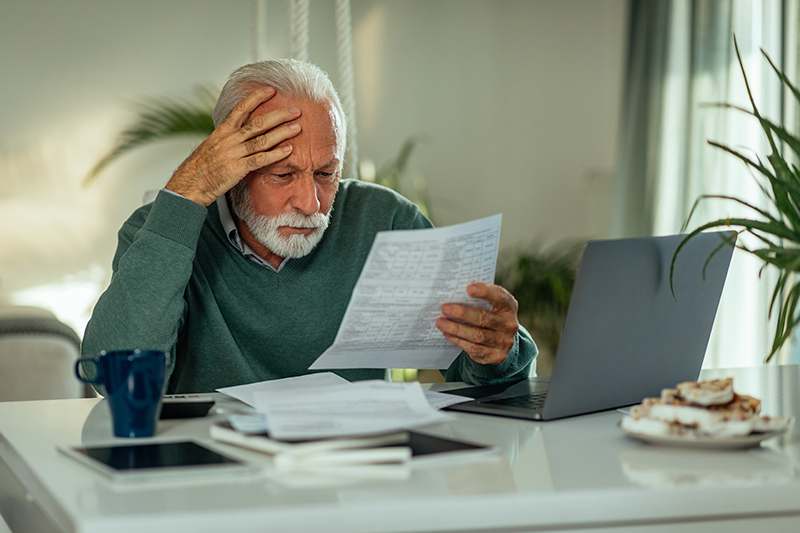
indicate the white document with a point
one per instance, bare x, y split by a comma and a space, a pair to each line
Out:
360, 408
440, 400
391, 318
245, 393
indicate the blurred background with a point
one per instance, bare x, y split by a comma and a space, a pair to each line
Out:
575, 119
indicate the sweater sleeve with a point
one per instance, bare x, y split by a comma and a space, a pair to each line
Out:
144, 304
516, 366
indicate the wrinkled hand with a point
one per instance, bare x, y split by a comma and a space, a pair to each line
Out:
486, 336
237, 147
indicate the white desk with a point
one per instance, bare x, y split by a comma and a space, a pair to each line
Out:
576, 474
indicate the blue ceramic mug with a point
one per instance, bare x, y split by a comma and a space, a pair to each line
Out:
134, 382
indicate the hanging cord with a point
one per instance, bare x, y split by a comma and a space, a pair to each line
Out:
344, 50
299, 29
258, 29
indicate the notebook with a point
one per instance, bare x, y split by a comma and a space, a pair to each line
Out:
625, 336
357, 450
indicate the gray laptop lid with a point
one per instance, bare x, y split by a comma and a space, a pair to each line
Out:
626, 336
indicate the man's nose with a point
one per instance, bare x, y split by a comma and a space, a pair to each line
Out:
306, 198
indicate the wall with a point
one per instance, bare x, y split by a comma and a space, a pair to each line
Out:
517, 103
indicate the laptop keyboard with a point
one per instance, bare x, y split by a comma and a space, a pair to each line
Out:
528, 401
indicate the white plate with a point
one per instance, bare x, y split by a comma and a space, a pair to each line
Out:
709, 443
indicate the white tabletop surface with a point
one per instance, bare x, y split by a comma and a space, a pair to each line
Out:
574, 474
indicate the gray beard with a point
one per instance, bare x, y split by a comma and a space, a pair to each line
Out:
265, 228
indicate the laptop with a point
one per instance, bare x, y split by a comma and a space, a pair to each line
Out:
625, 336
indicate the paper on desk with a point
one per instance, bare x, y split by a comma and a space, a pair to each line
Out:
360, 408
256, 422
245, 393
440, 400
391, 318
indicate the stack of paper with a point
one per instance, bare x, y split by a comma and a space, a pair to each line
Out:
322, 420
329, 455
246, 393
325, 405
380, 449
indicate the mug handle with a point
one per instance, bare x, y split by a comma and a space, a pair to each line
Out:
95, 360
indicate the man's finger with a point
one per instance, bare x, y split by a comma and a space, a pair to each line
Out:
271, 138
475, 316
241, 111
479, 336
478, 353
267, 122
266, 158
500, 298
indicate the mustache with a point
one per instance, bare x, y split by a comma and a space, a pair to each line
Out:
299, 220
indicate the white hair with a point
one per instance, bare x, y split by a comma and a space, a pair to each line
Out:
290, 77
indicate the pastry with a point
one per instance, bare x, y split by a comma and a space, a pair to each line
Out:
701, 409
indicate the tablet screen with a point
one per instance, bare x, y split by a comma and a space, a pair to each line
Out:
155, 456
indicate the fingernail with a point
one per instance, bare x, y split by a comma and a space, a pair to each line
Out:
269, 90
472, 290
287, 148
294, 110
294, 127
447, 310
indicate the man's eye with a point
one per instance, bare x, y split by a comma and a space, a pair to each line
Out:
325, 175
283, 176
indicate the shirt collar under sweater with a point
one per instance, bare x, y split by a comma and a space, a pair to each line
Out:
232, 232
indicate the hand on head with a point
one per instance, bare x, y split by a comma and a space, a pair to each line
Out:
237, 147
486, 336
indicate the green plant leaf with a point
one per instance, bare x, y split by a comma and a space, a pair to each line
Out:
756, 165
394, 174
771, 226
784, 79
542, 280
779, 233
159, 119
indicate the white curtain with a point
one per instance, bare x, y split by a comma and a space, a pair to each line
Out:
682, 58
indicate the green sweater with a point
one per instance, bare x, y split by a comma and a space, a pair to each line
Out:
178, 285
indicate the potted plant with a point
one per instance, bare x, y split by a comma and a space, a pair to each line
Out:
776, 230
542, 281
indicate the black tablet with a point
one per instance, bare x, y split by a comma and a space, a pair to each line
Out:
137, 461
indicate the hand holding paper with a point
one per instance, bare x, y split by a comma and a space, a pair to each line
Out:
486, 335
408, 276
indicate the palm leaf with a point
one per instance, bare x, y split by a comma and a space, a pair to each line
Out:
779, 234
159, 119
749, 162
391, 171
784, 79
542, 280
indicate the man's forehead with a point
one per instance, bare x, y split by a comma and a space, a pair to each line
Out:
321, 130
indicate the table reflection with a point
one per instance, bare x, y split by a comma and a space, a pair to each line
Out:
657, 466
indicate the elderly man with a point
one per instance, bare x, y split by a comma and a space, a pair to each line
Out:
244, 264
